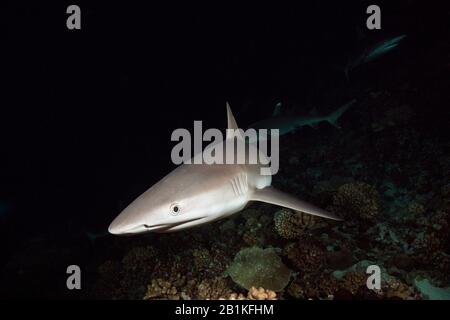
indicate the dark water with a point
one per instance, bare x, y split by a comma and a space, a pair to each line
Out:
86, 119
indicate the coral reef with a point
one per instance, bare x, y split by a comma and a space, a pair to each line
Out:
396, 289
253, 294
108, 284
138, 265
213, 289
393, 117
291, 225
321, 287
306, 255
257, 224
416, 209
161, 288
201, 258
388, 180
261, 294
340, 259
357, 200
354, 281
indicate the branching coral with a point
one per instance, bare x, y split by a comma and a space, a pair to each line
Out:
253, 294
212, 289
160, 288
177, 287
261, 294
181, 288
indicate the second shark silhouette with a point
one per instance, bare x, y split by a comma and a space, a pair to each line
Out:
370, 53
289, 123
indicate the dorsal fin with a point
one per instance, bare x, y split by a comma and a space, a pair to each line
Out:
231, 124
277, 109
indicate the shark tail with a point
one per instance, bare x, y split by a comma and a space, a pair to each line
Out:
333, 117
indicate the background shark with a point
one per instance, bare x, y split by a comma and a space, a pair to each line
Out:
286, 123
371, 53
195, 194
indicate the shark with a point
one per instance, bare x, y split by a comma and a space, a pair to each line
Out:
371, 53
195, 194
287, 123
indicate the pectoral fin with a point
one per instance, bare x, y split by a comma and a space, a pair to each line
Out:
279, 198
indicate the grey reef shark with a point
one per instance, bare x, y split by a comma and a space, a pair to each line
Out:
370, 53
194, 194
289, 123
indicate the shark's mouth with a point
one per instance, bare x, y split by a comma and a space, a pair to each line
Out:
165, 227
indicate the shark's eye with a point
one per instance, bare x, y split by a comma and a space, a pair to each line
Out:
175, 209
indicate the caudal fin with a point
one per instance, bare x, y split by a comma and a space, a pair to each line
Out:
333, 117
279, 198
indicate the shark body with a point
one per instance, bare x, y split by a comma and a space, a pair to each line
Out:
371, 53
194, 194
286, 124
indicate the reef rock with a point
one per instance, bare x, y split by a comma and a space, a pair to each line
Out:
431, 292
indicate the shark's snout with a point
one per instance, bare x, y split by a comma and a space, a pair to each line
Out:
123, 224
118, 228
128, 223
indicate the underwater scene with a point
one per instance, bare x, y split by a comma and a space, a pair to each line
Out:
352, 100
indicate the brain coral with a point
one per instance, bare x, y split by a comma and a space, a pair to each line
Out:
291, 225
356, 200
306, 255
256, 267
